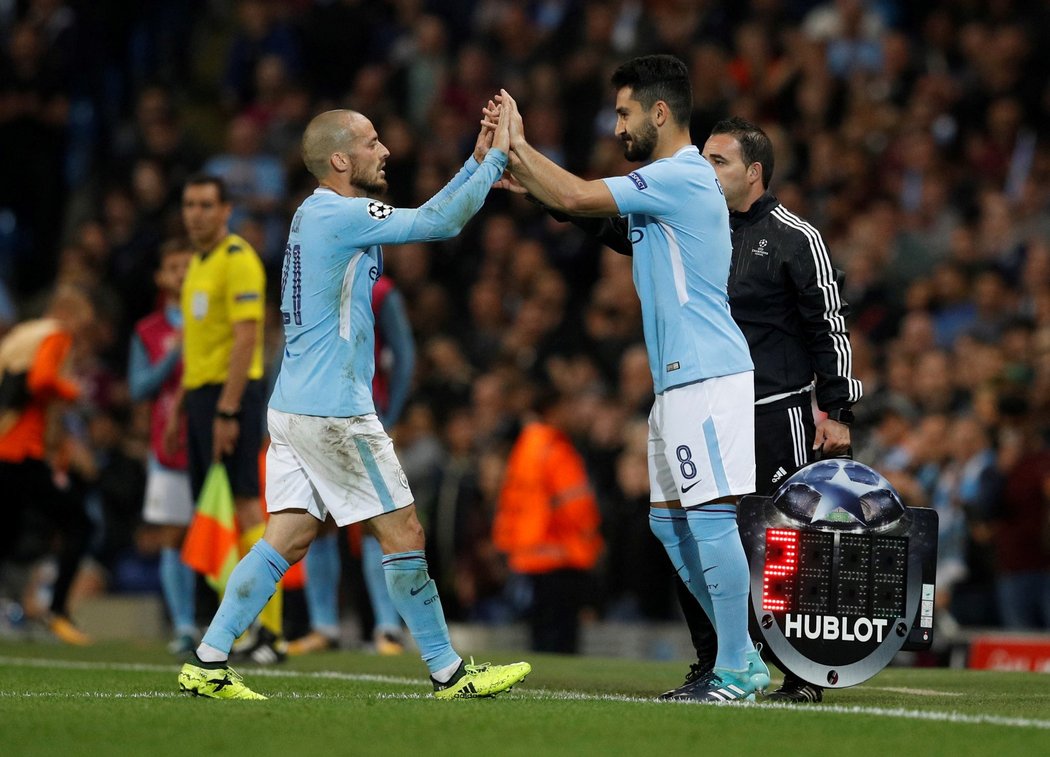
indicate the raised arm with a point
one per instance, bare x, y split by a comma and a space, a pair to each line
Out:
551, 184
445, 214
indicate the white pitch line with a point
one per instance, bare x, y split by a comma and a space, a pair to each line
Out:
539, 694
33, 662
131, 695
89, 695
917, 692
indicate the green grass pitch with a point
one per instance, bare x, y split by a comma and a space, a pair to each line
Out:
122, 699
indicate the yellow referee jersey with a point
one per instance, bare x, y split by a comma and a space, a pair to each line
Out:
222, 287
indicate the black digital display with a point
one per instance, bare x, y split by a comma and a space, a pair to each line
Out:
822, 573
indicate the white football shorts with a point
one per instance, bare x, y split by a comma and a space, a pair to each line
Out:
702, 441
345, 467
168, 500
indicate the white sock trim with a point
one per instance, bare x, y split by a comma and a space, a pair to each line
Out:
443, 675
208, 653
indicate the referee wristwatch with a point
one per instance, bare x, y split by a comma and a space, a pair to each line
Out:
842, 415
228, 415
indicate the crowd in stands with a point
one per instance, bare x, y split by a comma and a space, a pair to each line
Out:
913, 135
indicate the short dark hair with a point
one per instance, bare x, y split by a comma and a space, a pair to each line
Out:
755, 145
203, 179
174, 246
658, 77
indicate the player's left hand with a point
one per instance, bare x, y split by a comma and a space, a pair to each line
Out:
833, 436
490, 116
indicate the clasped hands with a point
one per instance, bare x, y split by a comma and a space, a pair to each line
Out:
502, 112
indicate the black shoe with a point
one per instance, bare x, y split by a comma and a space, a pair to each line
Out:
794, 689
267, 649
697, 675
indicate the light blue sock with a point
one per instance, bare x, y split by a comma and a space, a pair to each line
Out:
322, 585
178, 584
672, 529
386, 617
725, 568
250, 587
415, 595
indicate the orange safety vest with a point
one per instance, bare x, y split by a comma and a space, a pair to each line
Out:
547, 518
32, 363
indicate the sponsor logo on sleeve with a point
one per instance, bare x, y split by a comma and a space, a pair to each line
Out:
246, 297
380, 211
638, 180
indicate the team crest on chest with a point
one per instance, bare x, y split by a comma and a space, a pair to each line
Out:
380, 211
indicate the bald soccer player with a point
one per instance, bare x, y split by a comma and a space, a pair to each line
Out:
329, 454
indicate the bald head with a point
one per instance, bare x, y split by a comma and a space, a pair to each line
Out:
331, 132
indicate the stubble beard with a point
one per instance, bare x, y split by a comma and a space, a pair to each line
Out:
372, 185
642, 144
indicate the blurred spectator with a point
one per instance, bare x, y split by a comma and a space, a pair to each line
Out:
261, 32
154, 378
255, 181
852, 31
547, 524
34, 118
41, 464
1023, 524
965, 499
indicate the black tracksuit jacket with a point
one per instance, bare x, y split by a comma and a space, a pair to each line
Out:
784, 295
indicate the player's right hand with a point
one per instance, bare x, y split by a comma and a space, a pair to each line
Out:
509, 183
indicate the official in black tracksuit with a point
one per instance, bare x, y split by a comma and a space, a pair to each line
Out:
784, 294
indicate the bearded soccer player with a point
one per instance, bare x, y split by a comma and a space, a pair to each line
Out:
785, 296
701, 427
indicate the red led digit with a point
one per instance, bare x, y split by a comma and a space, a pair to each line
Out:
781, 567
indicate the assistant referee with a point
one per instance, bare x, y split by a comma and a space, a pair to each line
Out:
223, 305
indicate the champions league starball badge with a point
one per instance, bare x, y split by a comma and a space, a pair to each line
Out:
379, 210
842, 572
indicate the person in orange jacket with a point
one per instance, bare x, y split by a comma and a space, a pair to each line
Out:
547, 523
34, 386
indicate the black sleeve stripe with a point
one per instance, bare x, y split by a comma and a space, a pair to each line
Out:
832, 301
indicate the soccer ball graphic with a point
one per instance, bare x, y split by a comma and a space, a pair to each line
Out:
379, 210
840, 495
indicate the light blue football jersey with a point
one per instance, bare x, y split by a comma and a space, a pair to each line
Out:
332, 260
679, 227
